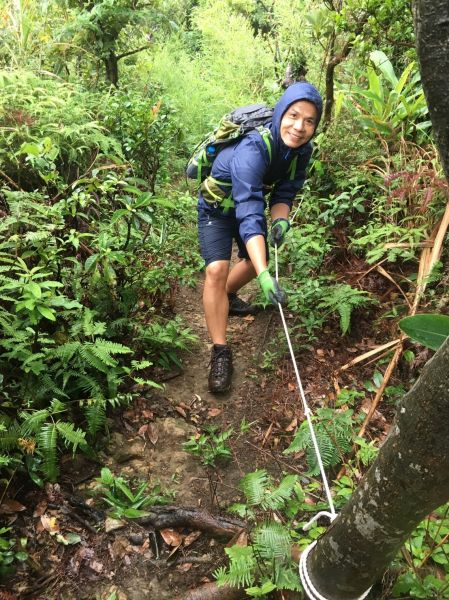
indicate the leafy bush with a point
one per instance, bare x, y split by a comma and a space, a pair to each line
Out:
147, 129
392, 107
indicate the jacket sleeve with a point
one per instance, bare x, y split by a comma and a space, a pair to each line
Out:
248, 166
285, 190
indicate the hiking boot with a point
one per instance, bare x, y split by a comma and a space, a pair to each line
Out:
240, 308
220, 369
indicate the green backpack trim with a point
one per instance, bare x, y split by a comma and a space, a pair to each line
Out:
210, 187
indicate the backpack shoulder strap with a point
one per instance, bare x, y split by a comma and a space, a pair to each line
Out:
266, 136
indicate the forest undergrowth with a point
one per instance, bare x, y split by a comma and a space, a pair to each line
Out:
105, 418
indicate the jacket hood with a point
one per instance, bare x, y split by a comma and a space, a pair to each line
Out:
298, 91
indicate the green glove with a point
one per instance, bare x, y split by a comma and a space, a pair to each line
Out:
279, 228
270, 287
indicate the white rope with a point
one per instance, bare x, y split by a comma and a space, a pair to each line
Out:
306, 582
307, 411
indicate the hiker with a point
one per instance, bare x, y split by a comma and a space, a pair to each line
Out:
246, 172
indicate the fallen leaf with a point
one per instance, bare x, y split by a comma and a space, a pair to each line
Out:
189, 539
181, 411
11, 506
196, 398
142, 430
40, 509
120, 547
291, 387
111, 524
249, 318
320, 352
96, 566
214, 412
239, 539
293, 424
153, 433
68, 539
50, 524
148, 414
171, 537
184, 568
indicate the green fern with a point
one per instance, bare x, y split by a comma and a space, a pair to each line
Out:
343, 299
241, 567
272, 540
334, 434
32, 421
9, 437
95, 413
254, 486
276, 498
47, 439
71, 436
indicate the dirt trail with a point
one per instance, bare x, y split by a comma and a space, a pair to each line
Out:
146, 443
181, 411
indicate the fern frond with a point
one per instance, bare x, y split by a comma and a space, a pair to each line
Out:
254, 486
47, 440
287, 578
32, 421
276, 498
334, 434
111, 347
71, 436
96, 416
4, 460
272, 540
8, 438
92, 360
241, 567
66, 351
345, 317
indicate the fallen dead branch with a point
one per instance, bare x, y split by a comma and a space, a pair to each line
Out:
387, 275
162, 517
210, 591
373, 352
429, 257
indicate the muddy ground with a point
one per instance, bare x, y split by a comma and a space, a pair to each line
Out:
145, 441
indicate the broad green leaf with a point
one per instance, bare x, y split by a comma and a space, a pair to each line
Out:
427, 329
121, 212
35, 289
382, 62
46, 312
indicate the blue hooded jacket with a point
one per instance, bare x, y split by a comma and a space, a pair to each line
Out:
247, 167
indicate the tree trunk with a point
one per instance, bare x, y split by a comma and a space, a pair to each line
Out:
432, 37
408, 480
111, 64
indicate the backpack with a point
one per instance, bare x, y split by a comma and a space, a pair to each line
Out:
231, 128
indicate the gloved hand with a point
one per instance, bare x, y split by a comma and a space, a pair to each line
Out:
270, 287
279, 228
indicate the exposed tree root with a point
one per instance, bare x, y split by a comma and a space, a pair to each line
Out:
161, 517
210, 591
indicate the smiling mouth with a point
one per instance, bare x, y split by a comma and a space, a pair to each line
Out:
296, 137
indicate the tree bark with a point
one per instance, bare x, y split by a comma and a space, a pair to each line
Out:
432, 37
160, 517
408, 480
111, 64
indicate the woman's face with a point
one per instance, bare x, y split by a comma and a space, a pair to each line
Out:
298, 123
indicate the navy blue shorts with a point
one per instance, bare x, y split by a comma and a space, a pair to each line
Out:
216, 234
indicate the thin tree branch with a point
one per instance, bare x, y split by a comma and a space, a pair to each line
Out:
130, 52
